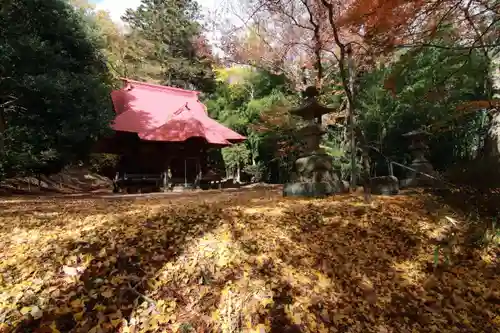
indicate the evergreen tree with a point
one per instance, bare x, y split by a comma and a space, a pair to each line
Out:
172, 27
54, 86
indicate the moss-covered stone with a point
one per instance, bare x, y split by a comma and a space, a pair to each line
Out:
313, 190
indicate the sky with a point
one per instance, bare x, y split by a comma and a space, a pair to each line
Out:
117, 8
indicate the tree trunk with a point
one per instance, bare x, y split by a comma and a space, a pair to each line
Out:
491, 147
3, 120
2, 132
365, 174
350, 119
238, 173
347, 75
367, 180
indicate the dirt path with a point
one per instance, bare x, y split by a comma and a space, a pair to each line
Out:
107, 195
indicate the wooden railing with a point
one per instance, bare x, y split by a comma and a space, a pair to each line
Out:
137, 181
127, 181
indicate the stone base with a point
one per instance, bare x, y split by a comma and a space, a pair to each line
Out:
311, 190
386, 185
416, 179
420, 182
346, 185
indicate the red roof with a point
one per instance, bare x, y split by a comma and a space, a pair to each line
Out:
160, 113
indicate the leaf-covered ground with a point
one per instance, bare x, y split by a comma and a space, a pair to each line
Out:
247, 261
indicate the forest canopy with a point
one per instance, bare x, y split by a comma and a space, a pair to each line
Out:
395, 66
54, 86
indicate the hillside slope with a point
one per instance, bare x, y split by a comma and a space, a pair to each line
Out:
71, 180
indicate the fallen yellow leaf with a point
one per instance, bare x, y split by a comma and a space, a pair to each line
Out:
53, 327
266, 301
99, 307
306, 261
115, 322
25, 310
77, 303
79, 316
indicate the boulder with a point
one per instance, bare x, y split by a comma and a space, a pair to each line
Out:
311, 189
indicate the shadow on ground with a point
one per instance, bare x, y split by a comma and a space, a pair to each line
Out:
365, 269
124, 255
252, 259
102, 266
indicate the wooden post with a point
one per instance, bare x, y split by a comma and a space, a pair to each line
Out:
165, 180
166, 176
238, 173
115, 182
185, 172
198, 167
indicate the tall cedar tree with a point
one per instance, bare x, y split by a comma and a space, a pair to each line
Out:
172, 27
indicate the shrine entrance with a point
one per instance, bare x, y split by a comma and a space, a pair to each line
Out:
184, 171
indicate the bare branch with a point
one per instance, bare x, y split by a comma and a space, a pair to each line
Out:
457, 48
342, 48
317, 45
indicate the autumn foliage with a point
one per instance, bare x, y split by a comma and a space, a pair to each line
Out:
279, 126
241, 262
285, 35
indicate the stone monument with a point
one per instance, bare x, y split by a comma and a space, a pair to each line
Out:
420, 165
314, 171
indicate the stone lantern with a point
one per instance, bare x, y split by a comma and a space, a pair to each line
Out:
420, 164
315, 175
